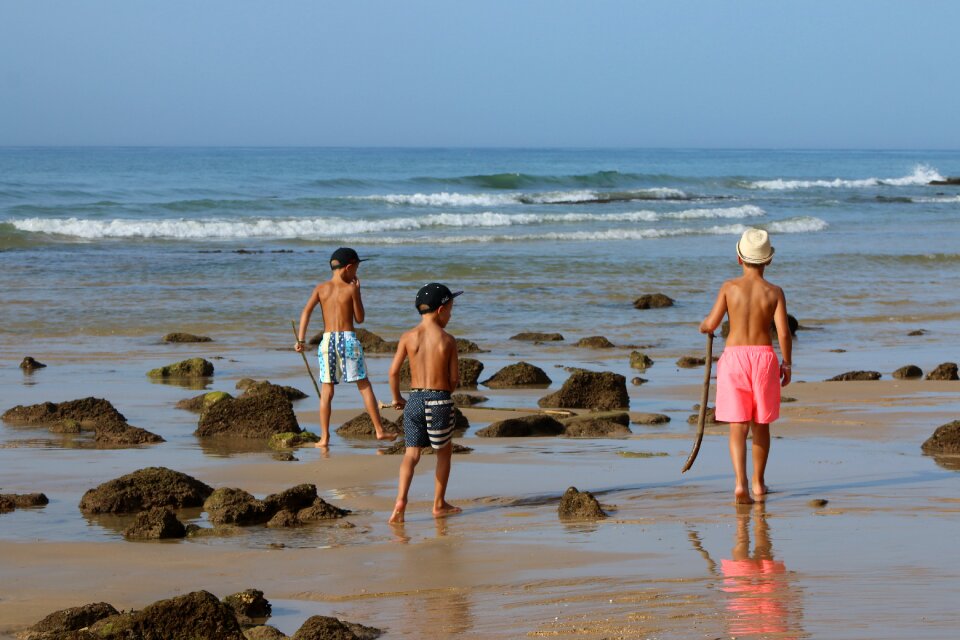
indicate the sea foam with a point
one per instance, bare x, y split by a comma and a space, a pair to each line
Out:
922, 174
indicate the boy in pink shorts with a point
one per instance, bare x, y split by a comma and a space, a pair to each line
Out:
749, 376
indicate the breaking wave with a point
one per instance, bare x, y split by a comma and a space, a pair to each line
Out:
922, 174
447, 199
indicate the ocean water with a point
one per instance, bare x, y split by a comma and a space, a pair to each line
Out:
99, 246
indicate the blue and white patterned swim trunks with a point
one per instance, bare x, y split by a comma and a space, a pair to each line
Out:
341, 358
428, 419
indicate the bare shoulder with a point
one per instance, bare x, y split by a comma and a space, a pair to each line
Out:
449, 341
322, 290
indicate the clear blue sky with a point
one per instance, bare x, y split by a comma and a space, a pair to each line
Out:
712, 73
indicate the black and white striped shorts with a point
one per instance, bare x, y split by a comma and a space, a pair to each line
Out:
428, 419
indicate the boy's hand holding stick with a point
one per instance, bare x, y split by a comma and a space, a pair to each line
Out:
702, 418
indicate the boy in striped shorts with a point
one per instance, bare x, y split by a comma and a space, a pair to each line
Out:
428, 412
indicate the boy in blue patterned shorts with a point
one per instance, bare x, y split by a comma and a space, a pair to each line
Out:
428, 413
340, 353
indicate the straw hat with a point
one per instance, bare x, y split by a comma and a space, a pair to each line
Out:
754, 247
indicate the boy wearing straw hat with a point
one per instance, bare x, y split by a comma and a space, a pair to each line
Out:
749, 375
340, 353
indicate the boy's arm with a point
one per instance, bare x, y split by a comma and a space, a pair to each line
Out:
454, 365
358, 312
398, 358
784, 337
305, 318
715, 317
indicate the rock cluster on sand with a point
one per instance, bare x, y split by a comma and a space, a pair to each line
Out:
594, 342
190, 368
470, 370
579, 505
945, 371
185, 337
907, 372
537, 336
29, 364
524, 426
946, 439
361, 427
597, 425
249, 416
856, 375
199, 403
600, 390
467, 399
145, 489
653, 301
399, 448
521, 374
76, 416
158, 523
293, 507
640, 360
11, 501
251, 387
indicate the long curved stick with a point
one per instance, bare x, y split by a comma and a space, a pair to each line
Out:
296, 336
702, 418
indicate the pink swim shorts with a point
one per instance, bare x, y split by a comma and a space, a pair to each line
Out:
748, 385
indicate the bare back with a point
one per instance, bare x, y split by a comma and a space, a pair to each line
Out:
432, 353
751, 303
337, 303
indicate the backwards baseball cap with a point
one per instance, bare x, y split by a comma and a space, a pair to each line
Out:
344, 256
433, 296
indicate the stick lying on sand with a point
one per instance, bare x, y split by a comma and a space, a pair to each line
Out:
702, 418
296, 336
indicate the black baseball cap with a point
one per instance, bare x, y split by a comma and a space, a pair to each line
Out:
344, 256
433, 296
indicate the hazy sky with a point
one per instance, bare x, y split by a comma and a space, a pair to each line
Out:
713, 73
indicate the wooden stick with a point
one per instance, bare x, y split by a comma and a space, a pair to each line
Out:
296, 336
702, 418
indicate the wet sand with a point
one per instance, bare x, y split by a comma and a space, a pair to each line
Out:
676, 559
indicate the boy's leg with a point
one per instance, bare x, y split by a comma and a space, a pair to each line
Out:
373, 410
440, 505
326, 400
738, 456
761, 450
410, 459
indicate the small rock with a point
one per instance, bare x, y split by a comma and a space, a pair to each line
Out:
650, 418
640, 360
292, 499
945, 371
579, 505
637, 381
292, 440
602, 391
855, 375
908, 371
191, 368
521, 374
691, 362
327, 628
838, 350
320, 509
361, 427
710, 418
185, 337
594, 342
284, 456
653, 301
917, 332
255, 388
536, 336
229, 505
786, 399
158, 523
283, 520
72, 619
144, 489
467, 346
605, 425
817, 503
29, 364
522, 427
264, 632
199, 403
467, 399
946, 439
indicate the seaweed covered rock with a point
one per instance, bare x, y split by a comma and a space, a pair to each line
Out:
579, 505
76, 416
650, 418
907, 372
855, 376
320, 509
145, 489
249, 416
523, 427
653, 301
521, 374
640, 361
945, 371
597, 425
189, 617
25, 500
372, 343
66, 620
199, 403
229, 505
467, 346
264, 632
361, 427
249, 606
600, 390
190, 368
29, 364
327, 628
292, 499
289, 440
253, 387
594, 342
946, 439
158, 523
181, 337
537, 336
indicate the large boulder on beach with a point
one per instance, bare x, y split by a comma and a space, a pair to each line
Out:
579, 505
145, 489
199, 403
594, 342
361, 427
597, 425
601, 390
856, 375
521, 374
946, 439
229, 505
158, 523
640, 361
525, 426
28, 364
59, 623
537, 336
945, 371
249, 606
190, 368
181, 337
251, 387
653, 301
194, 616
908, 371
328, 628
254, 416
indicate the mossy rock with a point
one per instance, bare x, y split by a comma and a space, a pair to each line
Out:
190, 368
202, 402
290, 440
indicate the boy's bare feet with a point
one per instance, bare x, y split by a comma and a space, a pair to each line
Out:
383, 435
445, 509
398, 510
323, 444
760, 490
740, 496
